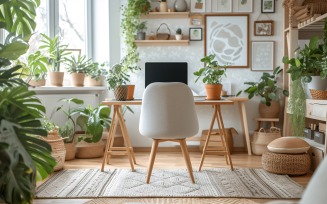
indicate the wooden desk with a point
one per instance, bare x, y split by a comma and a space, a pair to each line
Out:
128, 149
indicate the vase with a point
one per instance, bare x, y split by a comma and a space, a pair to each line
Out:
316, 84
180, 5
271, 111
163, 7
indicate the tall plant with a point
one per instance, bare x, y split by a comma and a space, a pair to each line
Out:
131, 18
23, 156
324, 59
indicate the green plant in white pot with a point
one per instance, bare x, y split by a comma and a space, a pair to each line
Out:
212, 74
179, 34
77, 67
55, 52
140, 28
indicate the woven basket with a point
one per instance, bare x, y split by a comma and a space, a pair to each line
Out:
264, 137
290, 164
58, 148
163, 35
120, 92
318, 94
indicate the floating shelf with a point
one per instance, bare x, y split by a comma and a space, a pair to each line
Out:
317, 24
152, 15
171, 42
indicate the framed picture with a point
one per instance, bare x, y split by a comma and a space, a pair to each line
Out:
263, 28
196, 19
221, 6
198, 6
267, 6
227, 37
262, 55
243, 6
195, 34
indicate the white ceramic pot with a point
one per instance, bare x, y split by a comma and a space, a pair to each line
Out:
179, 37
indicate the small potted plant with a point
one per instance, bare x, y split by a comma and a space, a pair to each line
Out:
96, 74
117, 78
212, 74
77, 67
179, 34
55, 53
140, 28
269, 92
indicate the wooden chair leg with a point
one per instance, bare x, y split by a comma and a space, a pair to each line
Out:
154, 149
187, 159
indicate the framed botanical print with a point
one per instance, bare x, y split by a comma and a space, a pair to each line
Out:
198, 6
262, 55
264, 28
267, 6
245, 6
227, 37
195, 34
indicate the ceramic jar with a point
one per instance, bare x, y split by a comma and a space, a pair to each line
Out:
180, 5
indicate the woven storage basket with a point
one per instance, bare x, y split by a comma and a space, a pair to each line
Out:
290, 164
262, 138
318, 94
58, 148
163, 35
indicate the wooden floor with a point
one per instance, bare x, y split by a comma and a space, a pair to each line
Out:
167, 160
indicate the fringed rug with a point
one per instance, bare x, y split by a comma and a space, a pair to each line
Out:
240, 183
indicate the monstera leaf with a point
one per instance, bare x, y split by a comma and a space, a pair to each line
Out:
18, 16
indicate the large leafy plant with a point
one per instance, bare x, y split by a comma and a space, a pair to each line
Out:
24, 157
212, 72
35, 66
97, 70
117, 76
266, 87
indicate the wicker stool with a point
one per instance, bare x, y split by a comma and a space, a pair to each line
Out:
290, 164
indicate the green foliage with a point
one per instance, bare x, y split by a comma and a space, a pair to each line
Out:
92, 121
324, 58
297, 107
55, 51
96, 70
307, 63
266, 87
179, 31
117, 76
212, 72
48, 125
141, 26
131, 14
78, 64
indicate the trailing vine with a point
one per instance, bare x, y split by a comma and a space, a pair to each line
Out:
131, 18
297, 107
324, 58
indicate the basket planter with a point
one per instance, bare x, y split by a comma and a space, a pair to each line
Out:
120, 93
58, 149
56, 78
85, 150
271, 111
262, 138
70, 151
77, 79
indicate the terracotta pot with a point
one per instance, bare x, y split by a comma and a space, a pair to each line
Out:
88, 81
130, 92
120, 93
77, 79
271, 111
56, 78
85, 150
213, 91
37, 83
70, 151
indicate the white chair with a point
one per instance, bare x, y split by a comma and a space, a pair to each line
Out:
168, 114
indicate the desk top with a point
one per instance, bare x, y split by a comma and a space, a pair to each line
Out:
197, 101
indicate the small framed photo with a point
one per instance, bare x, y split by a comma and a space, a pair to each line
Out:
263, 28
196, 19
267, 6
262, 55
244, 6
195, 34
198, 6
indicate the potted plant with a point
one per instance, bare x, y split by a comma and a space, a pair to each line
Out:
77, 67
91, 122
96, 74
55, 53
269, 92
212, 74
140, 28
179, 34
117, 78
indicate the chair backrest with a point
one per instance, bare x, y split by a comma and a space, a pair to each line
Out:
168, 111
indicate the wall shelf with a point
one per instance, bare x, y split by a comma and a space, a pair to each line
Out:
171, 42
67, 89
153, 15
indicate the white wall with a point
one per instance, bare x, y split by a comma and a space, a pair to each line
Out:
192, 54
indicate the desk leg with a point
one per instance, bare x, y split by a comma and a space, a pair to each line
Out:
223, 135
207, 140
245, 127
105, 155
113, 133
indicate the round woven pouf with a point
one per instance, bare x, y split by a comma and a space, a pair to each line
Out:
290, 164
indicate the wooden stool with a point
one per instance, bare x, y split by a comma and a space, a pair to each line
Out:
271, 120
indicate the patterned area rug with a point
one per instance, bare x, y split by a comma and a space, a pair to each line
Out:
240, 183
171, 201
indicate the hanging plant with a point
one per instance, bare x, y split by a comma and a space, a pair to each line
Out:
131, 18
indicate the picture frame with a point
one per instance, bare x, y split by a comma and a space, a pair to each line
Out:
221, 6
263, 55
195, 34
196, 19
244, 6
215, 39
263, 28
198, 6
267, 6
